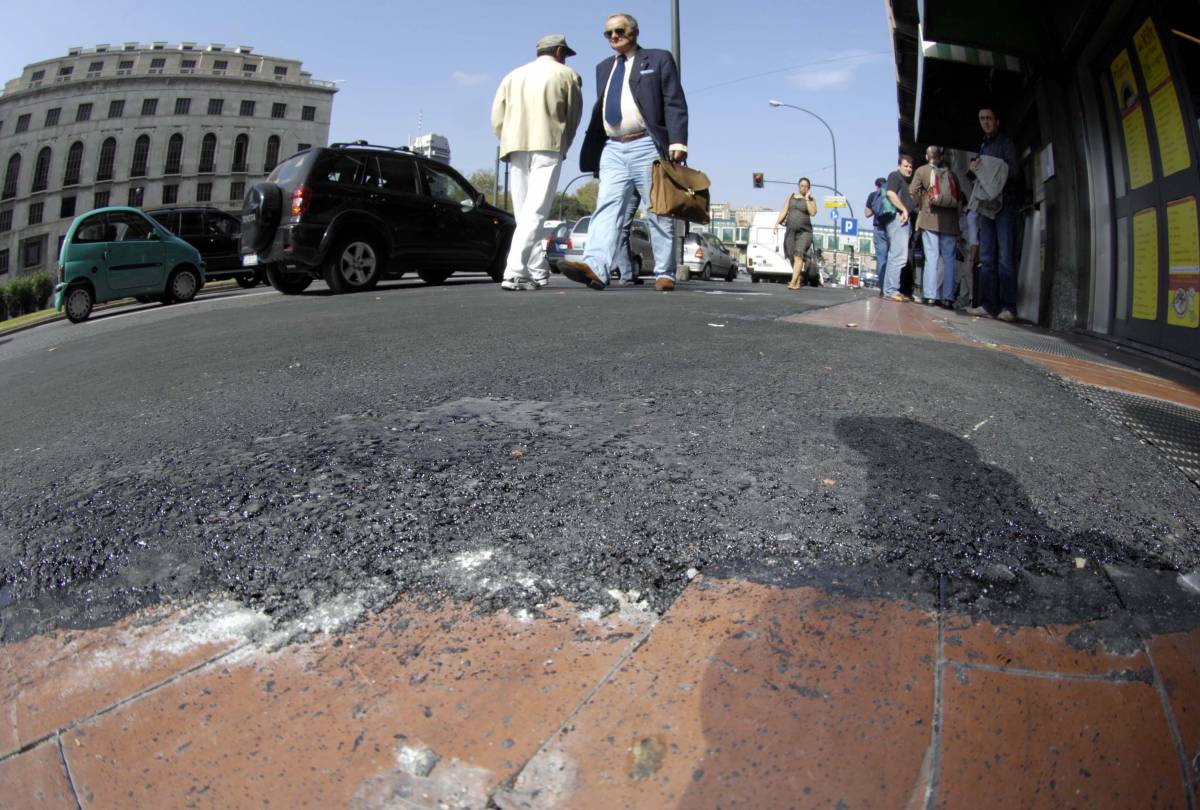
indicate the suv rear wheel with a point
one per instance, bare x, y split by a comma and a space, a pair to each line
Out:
354, 264
285, 282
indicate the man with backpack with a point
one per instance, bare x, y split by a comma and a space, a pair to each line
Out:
877, 212
938, 193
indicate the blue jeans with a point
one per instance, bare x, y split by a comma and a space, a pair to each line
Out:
897, 256
939, 246
996, 259
624, 265
624, 169
881, 252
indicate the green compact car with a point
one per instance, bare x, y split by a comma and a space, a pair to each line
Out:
113, 253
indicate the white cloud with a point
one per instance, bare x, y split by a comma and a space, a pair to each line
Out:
469, 79
839, 71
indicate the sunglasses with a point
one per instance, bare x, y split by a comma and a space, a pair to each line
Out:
609, 33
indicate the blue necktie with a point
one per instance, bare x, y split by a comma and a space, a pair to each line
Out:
612, 104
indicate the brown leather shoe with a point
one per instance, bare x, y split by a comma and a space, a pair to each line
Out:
664, 284
580, 272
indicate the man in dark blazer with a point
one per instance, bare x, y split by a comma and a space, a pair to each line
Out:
640, 116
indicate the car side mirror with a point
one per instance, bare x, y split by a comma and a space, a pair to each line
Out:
468, 204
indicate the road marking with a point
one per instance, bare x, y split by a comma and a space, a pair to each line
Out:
724, 292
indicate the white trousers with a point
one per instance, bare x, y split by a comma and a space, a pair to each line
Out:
533, 178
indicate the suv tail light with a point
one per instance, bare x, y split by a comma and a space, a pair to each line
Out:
570, 246
300, 200
699, 253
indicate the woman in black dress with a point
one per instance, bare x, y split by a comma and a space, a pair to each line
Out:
798, 211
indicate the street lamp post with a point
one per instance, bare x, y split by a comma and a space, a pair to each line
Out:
776, 103
562, 194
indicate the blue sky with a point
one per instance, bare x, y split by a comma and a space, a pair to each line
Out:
443, 60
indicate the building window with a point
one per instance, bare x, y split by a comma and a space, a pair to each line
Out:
37, 76
237, 191
272, 153
41, 170
125, 64
208, 153
11, 176
188, 65
66, 71
4, 261
221, 64
35, 213
6, 221
174, 154
141, 155
149, 106
31, 251
84, 112
95, 67
108, 159
247, 109
52, 115
308, 114
74, 164
116, 108
23, 123
278, 110
136, 195
241, 146
204, 192
67, 207
303, 147
183, 106
170, 194
280, 70
100, 199
249, 67
215, 106
158, 64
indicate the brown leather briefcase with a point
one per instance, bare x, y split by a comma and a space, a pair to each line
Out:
680, 192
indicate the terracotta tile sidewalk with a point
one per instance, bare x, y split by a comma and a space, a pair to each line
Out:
742, 694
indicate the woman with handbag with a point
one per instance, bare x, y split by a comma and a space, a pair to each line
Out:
798, 211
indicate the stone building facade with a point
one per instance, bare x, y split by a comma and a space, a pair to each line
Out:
144, 125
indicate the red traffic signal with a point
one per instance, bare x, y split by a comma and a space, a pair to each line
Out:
758, 179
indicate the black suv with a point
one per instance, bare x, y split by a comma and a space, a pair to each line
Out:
354, 213
217, 235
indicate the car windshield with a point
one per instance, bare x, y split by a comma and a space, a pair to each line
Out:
291, 170
562, 231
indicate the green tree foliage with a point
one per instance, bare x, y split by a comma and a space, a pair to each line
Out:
484, 180
587, 195
566, 206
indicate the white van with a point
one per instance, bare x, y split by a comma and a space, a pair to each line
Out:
764, 250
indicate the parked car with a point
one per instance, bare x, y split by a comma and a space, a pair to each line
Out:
217, 235
558, 242
119, 252
641, 255
353, 213
706, 256
576, 241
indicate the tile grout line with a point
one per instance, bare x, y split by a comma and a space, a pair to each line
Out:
638, 640
935, 769
1111, 677
154, 687
1176, 738
62, 756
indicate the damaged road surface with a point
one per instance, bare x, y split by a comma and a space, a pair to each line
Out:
580, 465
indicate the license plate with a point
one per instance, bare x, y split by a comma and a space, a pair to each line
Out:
249, 217
249, 260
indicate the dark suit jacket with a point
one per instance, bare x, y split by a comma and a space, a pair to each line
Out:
655, 85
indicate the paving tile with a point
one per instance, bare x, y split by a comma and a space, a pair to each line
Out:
48, 682
1062, 648
1177, 659
753, 696
35, 779
1019, 741
358, 718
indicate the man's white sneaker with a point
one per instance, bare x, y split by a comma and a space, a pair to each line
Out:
1007, 315
538, 283
978, 312
517, 284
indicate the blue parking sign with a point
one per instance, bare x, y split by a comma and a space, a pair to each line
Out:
849, 227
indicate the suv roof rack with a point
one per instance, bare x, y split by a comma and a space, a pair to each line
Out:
363, 143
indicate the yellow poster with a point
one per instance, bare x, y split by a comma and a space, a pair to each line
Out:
1150, 52
1183, 238
1123, 82
1145, 265
1173, 151
1137, 148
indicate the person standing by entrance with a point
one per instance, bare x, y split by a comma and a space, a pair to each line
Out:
898, 229
798, 210
997, 262
640, 116
535, 113
936, 191
877, 212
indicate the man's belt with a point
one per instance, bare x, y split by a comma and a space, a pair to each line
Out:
632, 136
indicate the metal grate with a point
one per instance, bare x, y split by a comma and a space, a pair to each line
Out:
1018, 337
1173, 429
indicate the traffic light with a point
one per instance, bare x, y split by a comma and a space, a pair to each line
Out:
758, 179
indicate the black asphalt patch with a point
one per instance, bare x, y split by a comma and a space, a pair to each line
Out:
512, 450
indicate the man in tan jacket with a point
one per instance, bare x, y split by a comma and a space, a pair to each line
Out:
536, 113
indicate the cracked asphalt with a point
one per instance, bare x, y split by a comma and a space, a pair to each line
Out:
513, 449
